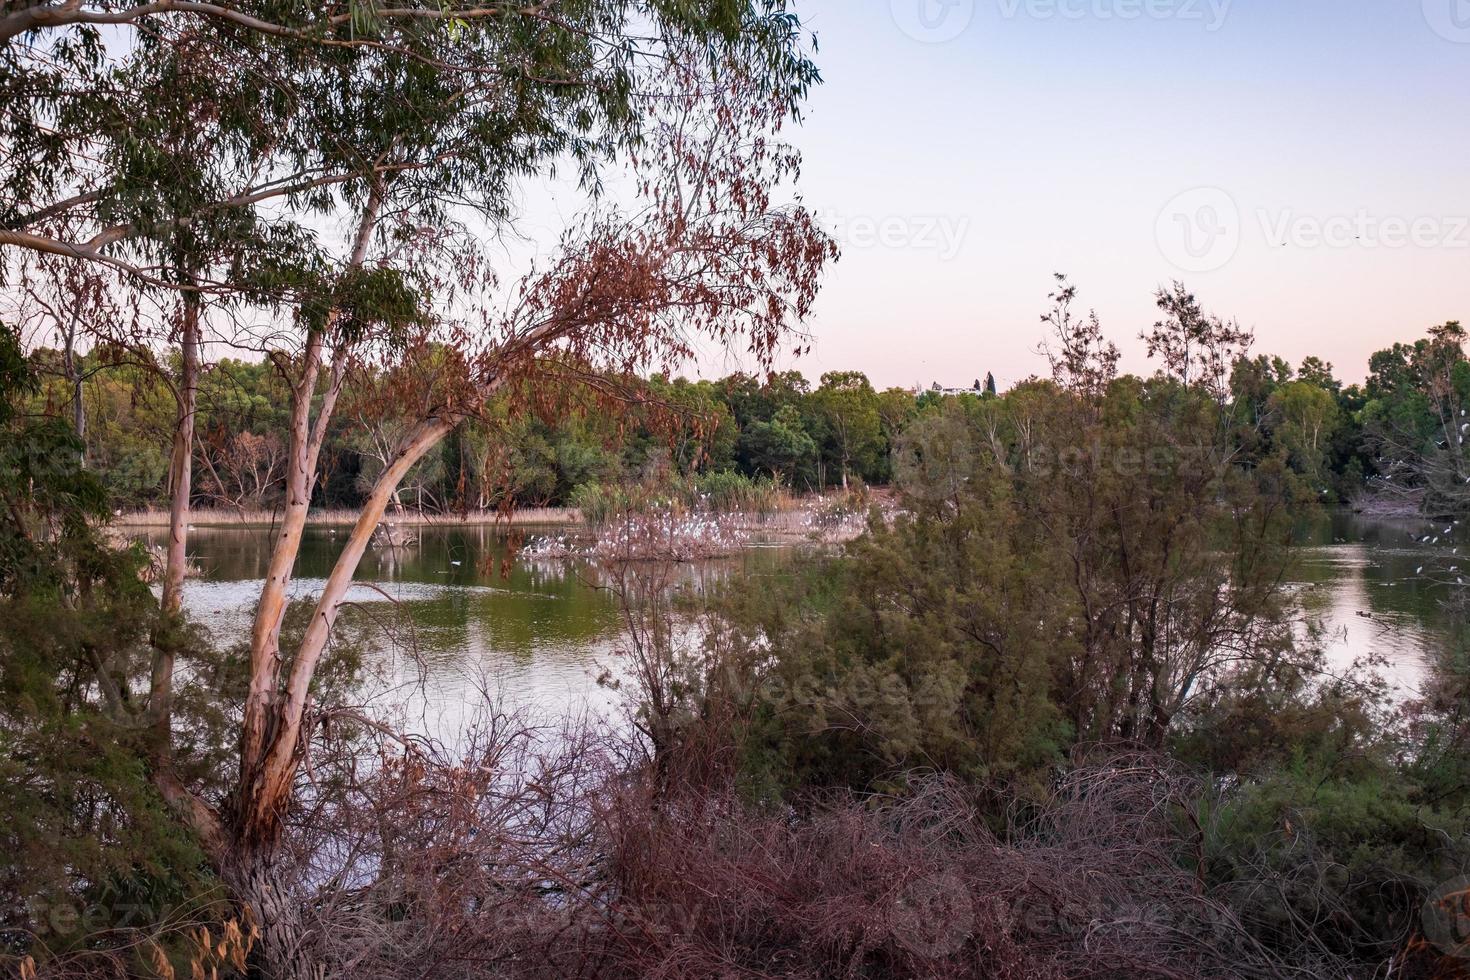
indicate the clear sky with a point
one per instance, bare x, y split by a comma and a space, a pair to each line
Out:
1303, 165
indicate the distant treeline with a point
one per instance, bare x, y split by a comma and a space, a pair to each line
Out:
1345, 439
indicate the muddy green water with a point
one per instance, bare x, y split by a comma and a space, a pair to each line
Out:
462, 617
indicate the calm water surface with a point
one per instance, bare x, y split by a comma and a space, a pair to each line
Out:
1379, 588
461, 616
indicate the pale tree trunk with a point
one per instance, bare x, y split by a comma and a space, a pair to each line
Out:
161, 686
181, 465
302, 464
74, 378
264, 792
301, 475
267, 775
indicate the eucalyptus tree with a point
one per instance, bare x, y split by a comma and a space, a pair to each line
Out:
1304, 418
201, 150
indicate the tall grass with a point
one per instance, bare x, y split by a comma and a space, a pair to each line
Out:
719, 493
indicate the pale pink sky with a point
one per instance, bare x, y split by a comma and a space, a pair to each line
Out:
1300, 164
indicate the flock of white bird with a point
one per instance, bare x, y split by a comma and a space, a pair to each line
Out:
1432, 539
659, 535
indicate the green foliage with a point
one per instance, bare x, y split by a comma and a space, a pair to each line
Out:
1304, 420
931, 644
101, 849
1348, 862
781, 446
1413, 413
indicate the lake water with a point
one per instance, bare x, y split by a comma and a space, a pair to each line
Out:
460, 615
1379, 589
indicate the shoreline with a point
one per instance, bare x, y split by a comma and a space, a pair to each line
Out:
345, 517
795, 522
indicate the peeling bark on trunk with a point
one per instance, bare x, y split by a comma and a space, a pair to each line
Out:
301, 476
278, 953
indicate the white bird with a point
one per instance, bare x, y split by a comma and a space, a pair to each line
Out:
1419, 570
456, 564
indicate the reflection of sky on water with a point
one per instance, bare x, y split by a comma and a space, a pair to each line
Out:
457, 620
453, 620
1379, 589
1401, 639
442, 650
